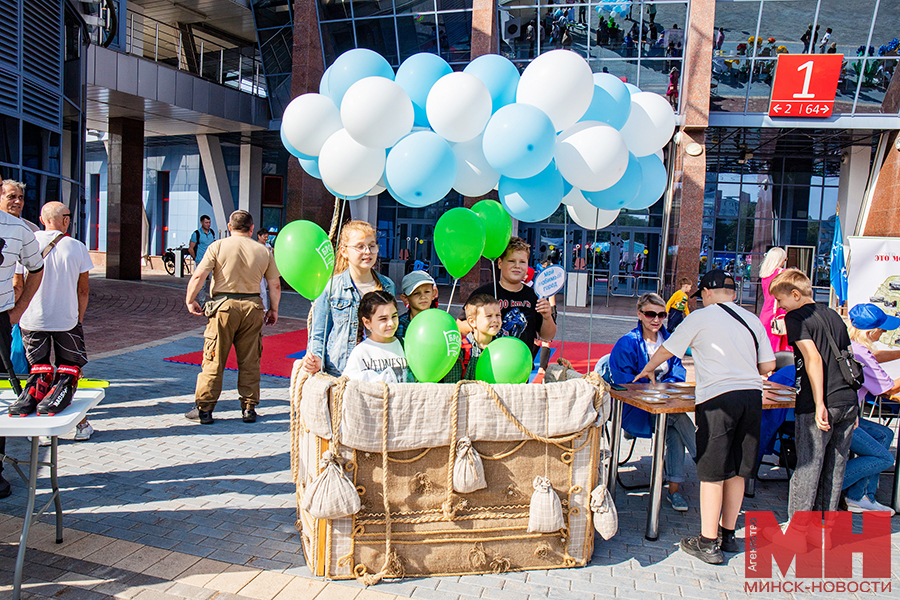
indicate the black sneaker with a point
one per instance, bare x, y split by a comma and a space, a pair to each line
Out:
60, 395
727, 542
708, 554
249, 415
203, 416
36, 388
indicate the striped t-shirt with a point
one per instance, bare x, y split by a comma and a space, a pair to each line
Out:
17, 244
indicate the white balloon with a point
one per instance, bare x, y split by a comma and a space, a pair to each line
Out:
573, 197
560, 83
377, 112
379, 187
650, 125
659, 153
308, 121
587, 216
474, 176
632, 89
458, 107
348, 167
591, 155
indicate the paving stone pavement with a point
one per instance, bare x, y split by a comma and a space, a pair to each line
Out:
157, 507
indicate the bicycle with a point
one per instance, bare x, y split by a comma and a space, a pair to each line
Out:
169, 260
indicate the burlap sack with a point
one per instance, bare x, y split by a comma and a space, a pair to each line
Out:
331, 495
468, 471
545, 511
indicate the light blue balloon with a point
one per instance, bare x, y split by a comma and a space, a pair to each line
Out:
533, 199
567, 187
632, 89
311, 166
417, 75
499, 75
519, 141
334, 193
654, 181
323, 83
611, 103
353, 65
291, 149
624, 191
420, 169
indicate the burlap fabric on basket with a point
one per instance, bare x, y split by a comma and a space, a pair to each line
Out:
402, 439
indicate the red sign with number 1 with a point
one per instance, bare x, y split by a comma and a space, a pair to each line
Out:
805, 85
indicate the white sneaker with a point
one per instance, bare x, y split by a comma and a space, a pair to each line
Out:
83, 432
864, 504
879, 506
44, 441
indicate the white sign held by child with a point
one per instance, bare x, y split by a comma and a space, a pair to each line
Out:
549, 281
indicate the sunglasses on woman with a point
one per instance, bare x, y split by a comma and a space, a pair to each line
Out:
653, 315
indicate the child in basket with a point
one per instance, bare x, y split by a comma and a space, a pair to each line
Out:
483, 315
677, 306
380, 356
335, 320
419, 293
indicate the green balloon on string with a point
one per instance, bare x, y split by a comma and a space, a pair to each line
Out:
505, 360
459, 237
497, 227
305, 257
431, 344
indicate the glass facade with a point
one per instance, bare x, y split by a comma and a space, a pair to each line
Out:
749, 34
398, 29
642, 47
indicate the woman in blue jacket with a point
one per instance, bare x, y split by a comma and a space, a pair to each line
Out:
628, 358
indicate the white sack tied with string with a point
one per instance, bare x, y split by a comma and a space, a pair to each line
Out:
331, 495
545, 513
468, 471
606, 518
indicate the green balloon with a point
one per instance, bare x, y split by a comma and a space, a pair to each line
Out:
459, 240
431, 344
305, 257
497, 227
505, 360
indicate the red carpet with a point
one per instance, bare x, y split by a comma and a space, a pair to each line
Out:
280, 351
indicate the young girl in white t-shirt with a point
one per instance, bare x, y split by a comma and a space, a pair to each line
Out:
380, 356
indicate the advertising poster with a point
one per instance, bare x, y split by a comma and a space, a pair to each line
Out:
874, 276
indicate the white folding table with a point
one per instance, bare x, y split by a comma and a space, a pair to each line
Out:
36, 426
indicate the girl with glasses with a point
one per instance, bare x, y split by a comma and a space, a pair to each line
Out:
628, 358
335, 320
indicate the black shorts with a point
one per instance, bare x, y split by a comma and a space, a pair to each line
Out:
728, 435
68, 346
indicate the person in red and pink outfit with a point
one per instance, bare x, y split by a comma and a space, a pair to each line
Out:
772, 265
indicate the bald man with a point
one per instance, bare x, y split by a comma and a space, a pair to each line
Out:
52, 321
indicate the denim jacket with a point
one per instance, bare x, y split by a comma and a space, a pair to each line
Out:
335, 330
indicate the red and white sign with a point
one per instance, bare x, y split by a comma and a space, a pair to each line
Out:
805, 85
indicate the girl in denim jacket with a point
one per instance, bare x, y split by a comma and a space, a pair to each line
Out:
335, 320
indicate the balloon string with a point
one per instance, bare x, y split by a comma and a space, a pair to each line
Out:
593, 277
337, 242
562, 341
453, 289
494, 274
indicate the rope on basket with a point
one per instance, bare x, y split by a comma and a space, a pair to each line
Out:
393, 564
298, 378
447, 506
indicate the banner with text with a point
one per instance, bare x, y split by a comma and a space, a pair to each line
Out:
874, 277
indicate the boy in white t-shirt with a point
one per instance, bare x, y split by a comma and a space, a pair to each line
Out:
53, 321
730, 350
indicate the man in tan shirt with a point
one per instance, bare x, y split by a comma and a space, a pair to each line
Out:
237, 264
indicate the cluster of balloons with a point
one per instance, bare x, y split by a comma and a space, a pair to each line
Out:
557, 133
432, 344
462, 236
614, 7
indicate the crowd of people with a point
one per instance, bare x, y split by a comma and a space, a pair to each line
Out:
357, 331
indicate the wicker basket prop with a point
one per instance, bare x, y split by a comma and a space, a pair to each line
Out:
448, 479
